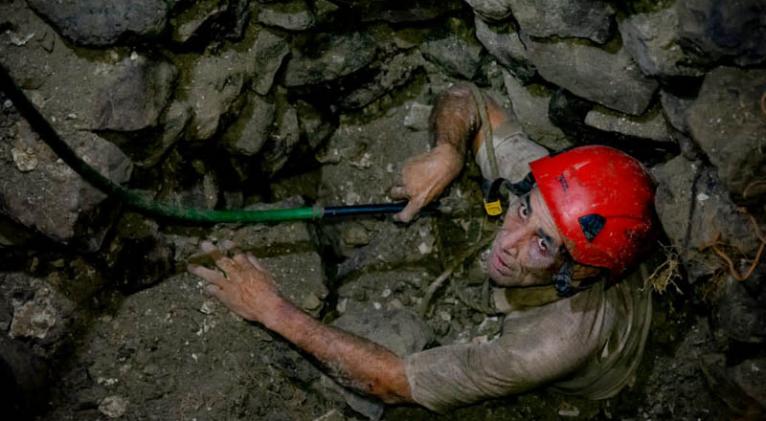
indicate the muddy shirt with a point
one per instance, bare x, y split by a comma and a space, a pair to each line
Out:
587, 345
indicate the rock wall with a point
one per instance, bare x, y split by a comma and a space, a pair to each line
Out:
253, 103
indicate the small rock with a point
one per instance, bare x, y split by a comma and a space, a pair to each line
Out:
417, 117
292, 15
113, 406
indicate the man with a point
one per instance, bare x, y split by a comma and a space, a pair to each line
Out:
560, 251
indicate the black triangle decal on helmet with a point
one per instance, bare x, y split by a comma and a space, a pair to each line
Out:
591, 225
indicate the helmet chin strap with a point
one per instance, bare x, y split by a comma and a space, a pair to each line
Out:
497, 192
562, 280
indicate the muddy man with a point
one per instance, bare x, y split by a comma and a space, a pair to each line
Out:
569, 243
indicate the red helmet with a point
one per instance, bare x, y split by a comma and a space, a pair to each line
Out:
601, 200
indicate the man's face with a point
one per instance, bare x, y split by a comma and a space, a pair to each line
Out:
526, 250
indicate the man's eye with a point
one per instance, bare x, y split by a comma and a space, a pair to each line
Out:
542, 245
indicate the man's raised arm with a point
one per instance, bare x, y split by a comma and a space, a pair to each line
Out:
248, 289
454, 122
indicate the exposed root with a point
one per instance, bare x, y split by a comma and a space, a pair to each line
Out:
732, 269
666, 273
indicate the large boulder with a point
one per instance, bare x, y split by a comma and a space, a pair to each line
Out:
716, 29
610, 79
215, 83
250, 131
728, 123
41, 192
136, 90
652, 39
569, 18
530, 104
328, 57
102, 23
457, 55
504, 44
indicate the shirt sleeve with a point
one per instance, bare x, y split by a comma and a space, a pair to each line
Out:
536, 347
513, 152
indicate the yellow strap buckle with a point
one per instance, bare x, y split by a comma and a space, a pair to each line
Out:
494, 208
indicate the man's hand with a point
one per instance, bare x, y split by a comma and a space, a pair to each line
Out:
245, 286
424, 178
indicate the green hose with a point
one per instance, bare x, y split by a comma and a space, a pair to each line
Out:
148, 206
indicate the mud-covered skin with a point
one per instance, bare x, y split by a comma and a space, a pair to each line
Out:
454, 122
248, 289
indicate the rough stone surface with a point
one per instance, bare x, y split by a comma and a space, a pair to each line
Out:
362, 163
291, 15
610, 79
675, 383
458, 56
651, 126
43, 316
43, 193
102, 23
282, 142
726, 120
247, 135
138, 255
136, 92
329, 58
652, 40
504, 44
739, 311
193, 22
695, 211
531, 108
749, 376
401, 11
392, 74
493, 10
674, 108
570, 18
715, 29
173, 353
270, 51
216, 82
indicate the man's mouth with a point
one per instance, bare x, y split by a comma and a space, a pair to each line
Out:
501, 266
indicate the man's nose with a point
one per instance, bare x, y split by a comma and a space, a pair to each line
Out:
512, 240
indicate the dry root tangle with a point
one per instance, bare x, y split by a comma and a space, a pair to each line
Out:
730, 264
667, 273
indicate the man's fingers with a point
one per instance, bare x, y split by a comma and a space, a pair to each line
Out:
210, 275
255, 262
409, 211
229, 267
241, 259
213, 290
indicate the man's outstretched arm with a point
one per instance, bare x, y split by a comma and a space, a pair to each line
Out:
248, 289
455, 122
